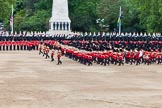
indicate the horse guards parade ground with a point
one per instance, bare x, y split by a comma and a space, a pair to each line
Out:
29, 81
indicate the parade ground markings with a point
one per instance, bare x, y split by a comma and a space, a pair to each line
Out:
28, 80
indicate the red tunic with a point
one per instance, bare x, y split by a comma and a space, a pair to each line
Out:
59, 55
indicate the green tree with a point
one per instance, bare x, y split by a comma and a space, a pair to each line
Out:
5, 11
19, 20
83, 14
109, 10
5, 8
150, 14
138, 15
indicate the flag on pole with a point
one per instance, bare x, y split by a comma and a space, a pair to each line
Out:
119, 20
11, 20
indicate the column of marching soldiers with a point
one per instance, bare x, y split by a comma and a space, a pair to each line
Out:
87, 49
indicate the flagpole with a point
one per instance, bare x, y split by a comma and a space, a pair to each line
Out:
120, 12
12, 26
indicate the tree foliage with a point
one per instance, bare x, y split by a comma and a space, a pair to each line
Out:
150, 14
5, 8
138, 15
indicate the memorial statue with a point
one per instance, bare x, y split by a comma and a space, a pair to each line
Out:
60, 22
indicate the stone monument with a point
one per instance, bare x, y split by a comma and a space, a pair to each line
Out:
60, 22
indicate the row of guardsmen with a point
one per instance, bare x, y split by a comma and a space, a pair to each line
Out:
118, 37
18, 45
33, 38
86, 36
108, 45
117, 56
85, 57
114, 57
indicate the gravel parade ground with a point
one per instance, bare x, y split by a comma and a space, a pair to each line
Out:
28, 80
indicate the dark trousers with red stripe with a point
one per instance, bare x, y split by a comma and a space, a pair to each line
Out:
59, 61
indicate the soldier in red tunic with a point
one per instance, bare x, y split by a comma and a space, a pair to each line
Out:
107, 59
120, 58
137, 58
47, 52
44, 50
131, 57
114, 58
59, 57
21, 45
52, 55
7, 45
18, 45
159, 58
40, 49
3, 44
10, 45
14, 45
24, 45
